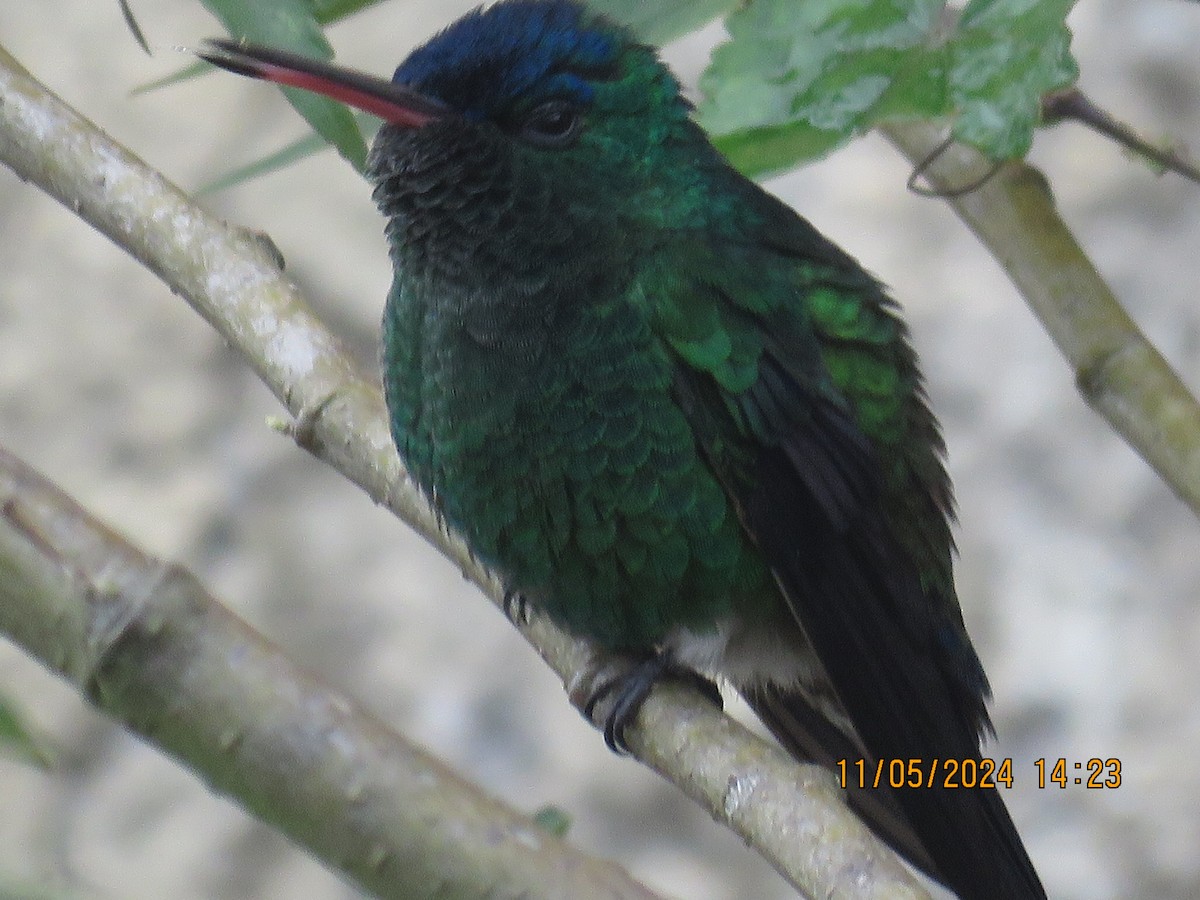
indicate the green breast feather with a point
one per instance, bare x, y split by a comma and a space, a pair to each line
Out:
581, 481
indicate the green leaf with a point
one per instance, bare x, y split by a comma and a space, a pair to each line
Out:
180, 75
662, 21
280, 159
1005, 55
758, 152
797, 80
291, 25
135, 29
17, 740
805, 77
328, 11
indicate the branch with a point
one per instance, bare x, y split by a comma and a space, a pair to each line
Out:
145, 642
1072, 104
1117, 370
794, 816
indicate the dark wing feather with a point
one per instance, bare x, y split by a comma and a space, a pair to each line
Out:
855, 605
808, 735
820, 485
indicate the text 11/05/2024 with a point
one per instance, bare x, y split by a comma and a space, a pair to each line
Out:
968, 774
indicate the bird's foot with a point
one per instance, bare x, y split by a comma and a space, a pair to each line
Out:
613, 692
516, 607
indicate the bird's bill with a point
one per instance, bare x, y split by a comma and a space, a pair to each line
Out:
391, 102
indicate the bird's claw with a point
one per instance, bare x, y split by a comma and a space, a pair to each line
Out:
626, 682
516, 606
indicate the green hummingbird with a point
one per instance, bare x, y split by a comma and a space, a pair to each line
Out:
667, 411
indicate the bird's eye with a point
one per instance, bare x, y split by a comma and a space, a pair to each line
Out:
552, 124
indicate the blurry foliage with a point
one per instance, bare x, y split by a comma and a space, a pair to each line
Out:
794, 80
17, 740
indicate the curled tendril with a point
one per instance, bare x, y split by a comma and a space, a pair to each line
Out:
923, 166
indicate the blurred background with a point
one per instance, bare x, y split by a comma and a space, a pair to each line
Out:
1078, 572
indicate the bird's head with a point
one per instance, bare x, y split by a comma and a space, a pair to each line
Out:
534, 113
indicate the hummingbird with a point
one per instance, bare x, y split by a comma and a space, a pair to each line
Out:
668, 412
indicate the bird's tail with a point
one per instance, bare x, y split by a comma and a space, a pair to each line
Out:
891, 812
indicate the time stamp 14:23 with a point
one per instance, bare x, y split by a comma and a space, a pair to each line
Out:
1094, 773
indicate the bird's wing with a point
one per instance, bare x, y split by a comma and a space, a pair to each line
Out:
803, 394
804, 398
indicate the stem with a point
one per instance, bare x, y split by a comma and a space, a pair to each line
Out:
145, 642
1117, 370
1072, 104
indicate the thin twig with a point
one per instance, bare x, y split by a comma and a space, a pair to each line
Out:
1073, 105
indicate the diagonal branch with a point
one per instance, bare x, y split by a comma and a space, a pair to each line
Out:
793, 815
1119, 372
144, 641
